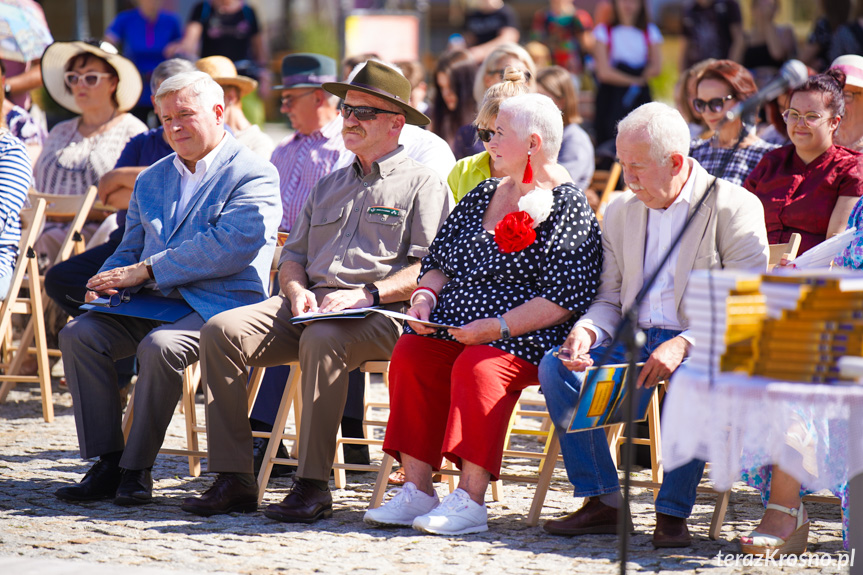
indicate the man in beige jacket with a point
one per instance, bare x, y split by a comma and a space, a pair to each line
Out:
728, 231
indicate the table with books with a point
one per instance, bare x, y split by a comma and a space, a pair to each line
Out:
763, 384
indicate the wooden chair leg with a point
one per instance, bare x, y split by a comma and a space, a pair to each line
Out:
614, 433
382, 480
544, 481
655, 442
719, 511
290, 395
128, 416
44, 368
339, 476
190, 387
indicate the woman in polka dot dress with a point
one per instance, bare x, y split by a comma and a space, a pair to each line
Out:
514, 265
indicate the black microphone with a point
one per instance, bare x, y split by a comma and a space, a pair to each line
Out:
792, 75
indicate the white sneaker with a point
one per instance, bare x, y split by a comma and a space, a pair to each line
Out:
407, 504
457, 514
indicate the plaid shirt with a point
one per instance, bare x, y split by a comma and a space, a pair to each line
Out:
739, 166
301, 161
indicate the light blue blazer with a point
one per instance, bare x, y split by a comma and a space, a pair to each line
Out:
219, 250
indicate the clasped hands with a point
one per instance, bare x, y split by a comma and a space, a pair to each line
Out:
108, 281
575, 356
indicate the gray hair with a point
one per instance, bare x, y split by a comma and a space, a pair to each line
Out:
167, 69
663, 126
536, 114
207, 91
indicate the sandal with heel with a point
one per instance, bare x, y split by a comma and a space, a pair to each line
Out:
766, 545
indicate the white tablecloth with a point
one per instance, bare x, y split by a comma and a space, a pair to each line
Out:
743, 422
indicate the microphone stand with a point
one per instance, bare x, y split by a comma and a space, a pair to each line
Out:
627, 331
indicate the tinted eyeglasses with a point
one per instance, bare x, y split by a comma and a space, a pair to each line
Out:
114, 300
499, 73
289, 101
792, 116
715, 105
484, 135
364, 113
90, 79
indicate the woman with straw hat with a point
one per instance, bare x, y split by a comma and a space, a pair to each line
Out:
101, 86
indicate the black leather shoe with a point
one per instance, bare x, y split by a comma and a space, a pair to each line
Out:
227, 495
304, 504
259, 449
100, 482
136, 487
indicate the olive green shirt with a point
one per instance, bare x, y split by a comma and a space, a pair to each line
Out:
357, 229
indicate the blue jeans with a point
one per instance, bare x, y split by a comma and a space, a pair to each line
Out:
586, 453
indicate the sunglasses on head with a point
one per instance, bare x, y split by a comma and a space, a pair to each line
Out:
90, 79
484, 135
715, 105
499, 73
363, 113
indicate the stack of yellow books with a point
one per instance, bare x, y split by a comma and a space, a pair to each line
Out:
725, 311
814, 318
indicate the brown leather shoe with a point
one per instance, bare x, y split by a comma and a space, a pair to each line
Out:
304, 504
593, 517
671, 532
227, 495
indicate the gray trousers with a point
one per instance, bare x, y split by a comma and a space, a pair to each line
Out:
91, 343
261, 335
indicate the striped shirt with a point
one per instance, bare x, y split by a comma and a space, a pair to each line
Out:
15, 177
301, 161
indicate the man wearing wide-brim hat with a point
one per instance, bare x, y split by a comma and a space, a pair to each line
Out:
356, 243
236, 87
850, 131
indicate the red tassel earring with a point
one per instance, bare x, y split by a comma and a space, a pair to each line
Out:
528, 172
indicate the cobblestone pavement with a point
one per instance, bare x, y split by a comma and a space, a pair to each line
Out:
40, 535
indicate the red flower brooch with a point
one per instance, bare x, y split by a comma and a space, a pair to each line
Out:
517, 230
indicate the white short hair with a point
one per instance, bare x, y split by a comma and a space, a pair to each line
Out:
201, 84
664, 128
536, 114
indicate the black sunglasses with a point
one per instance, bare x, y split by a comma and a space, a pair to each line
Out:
715, 105
363, 113
484, 135
114, 300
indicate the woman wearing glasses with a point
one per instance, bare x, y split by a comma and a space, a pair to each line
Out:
720, 86
470, 171
810, 186
514, 265
101, 87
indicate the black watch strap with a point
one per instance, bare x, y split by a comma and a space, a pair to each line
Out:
373, 290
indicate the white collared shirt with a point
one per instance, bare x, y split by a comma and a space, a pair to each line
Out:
191, 182
658, 308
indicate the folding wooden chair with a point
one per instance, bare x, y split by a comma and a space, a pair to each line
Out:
604, 183
191, 382
76, 208
27, 270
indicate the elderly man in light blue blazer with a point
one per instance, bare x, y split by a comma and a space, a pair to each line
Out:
201, 227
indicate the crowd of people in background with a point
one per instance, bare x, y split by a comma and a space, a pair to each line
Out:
458, 142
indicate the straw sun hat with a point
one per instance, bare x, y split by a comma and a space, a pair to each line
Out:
58, 54
223, 71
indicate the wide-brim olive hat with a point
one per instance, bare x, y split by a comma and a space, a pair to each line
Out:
306, 71
384, 82
223, 71
58, 54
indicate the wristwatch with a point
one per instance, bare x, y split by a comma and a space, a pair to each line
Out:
149, 264
504, 329
373, 291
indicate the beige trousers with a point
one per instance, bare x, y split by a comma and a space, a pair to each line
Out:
261, 335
